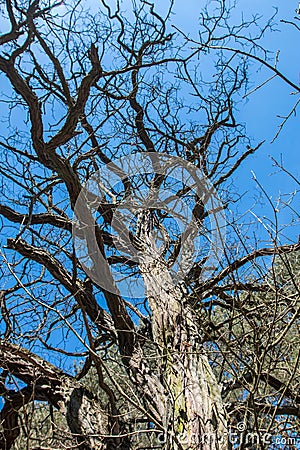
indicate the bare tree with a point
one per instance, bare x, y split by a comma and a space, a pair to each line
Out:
120, 251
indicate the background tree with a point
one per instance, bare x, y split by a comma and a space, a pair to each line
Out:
193, 358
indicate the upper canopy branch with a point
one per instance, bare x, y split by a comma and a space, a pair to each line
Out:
276, 250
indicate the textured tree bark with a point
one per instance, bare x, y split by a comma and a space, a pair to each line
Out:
86, 420
195, 416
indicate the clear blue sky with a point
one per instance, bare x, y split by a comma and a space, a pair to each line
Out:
260, 111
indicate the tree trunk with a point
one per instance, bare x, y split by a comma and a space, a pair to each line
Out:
195, 416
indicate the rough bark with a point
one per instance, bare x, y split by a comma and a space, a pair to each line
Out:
195, 416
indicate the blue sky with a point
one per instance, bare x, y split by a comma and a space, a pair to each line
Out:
260, 110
